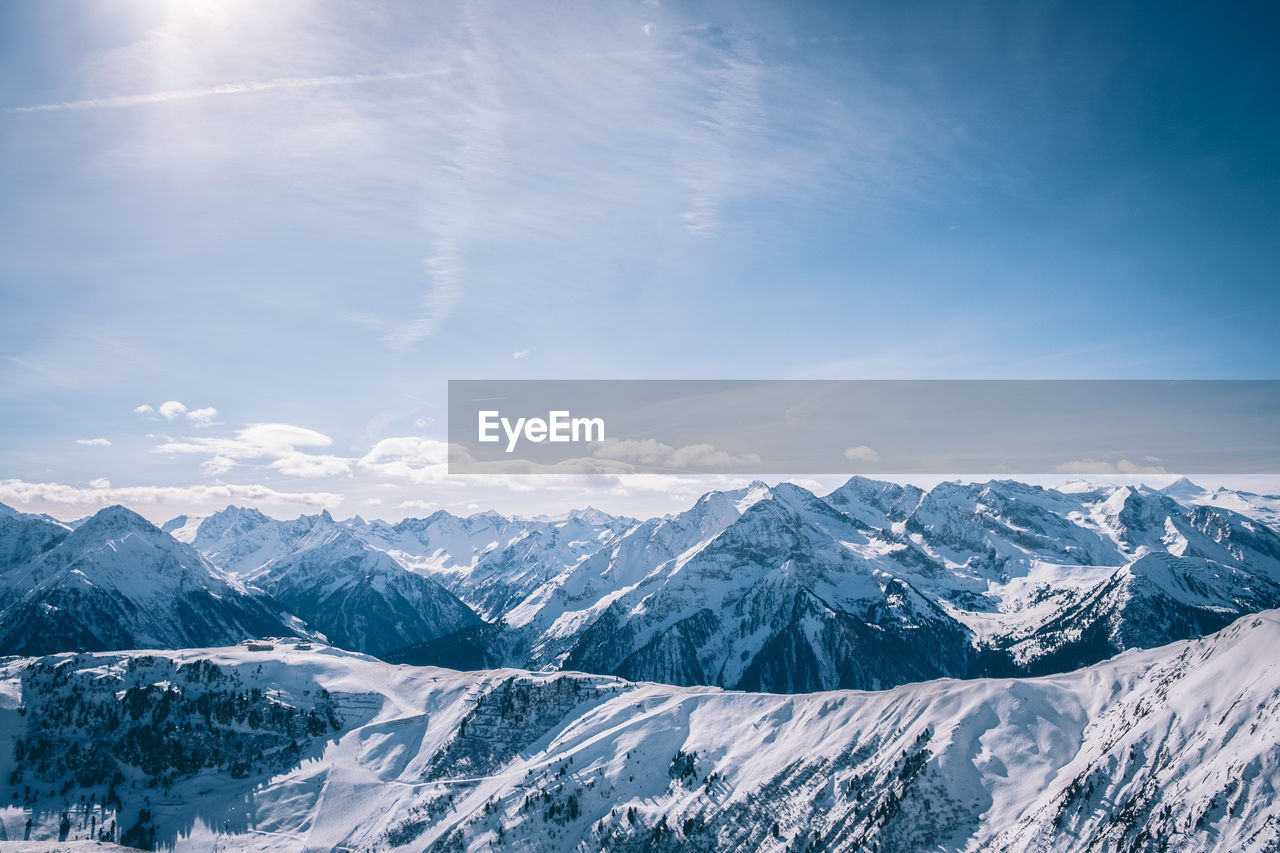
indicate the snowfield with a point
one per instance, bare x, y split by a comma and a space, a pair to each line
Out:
1172, 748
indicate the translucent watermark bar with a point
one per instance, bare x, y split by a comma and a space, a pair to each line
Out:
864, 426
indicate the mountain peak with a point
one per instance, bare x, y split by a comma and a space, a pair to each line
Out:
861, 484
115, 518
758, 491
590, 515
233, 511
237, 515
174, 523
1184, 488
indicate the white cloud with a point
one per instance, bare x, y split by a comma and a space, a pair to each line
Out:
202, 417
862, 453
252, 442
423, 423
519, 354
93, 442
276, 442
100, 493
217, 465
1096, 466
305, 465
412, 458
419, 505
171, 410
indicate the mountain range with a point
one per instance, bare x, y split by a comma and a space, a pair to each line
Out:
765, 588
118, 582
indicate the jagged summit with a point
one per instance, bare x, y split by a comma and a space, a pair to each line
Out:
591, 515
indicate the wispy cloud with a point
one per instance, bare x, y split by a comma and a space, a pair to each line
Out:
587, 132
144, 99
477, 155
94, 442
101, 493
520, 354
444, 289
713, 167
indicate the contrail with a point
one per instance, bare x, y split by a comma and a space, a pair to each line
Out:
221, 89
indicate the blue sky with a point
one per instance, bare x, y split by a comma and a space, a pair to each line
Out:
309, 216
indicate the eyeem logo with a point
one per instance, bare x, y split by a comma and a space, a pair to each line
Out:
559, 426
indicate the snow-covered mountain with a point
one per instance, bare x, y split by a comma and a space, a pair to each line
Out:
486, 559
540, 630
442, 543
789, 596
241, 541
357, 596
777, 589
489, 561
23, 537
183, 527
118, 582
1264, 508
291, 750
763, 588
770, 589
505, 576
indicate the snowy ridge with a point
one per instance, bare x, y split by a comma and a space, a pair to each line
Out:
1175, 744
